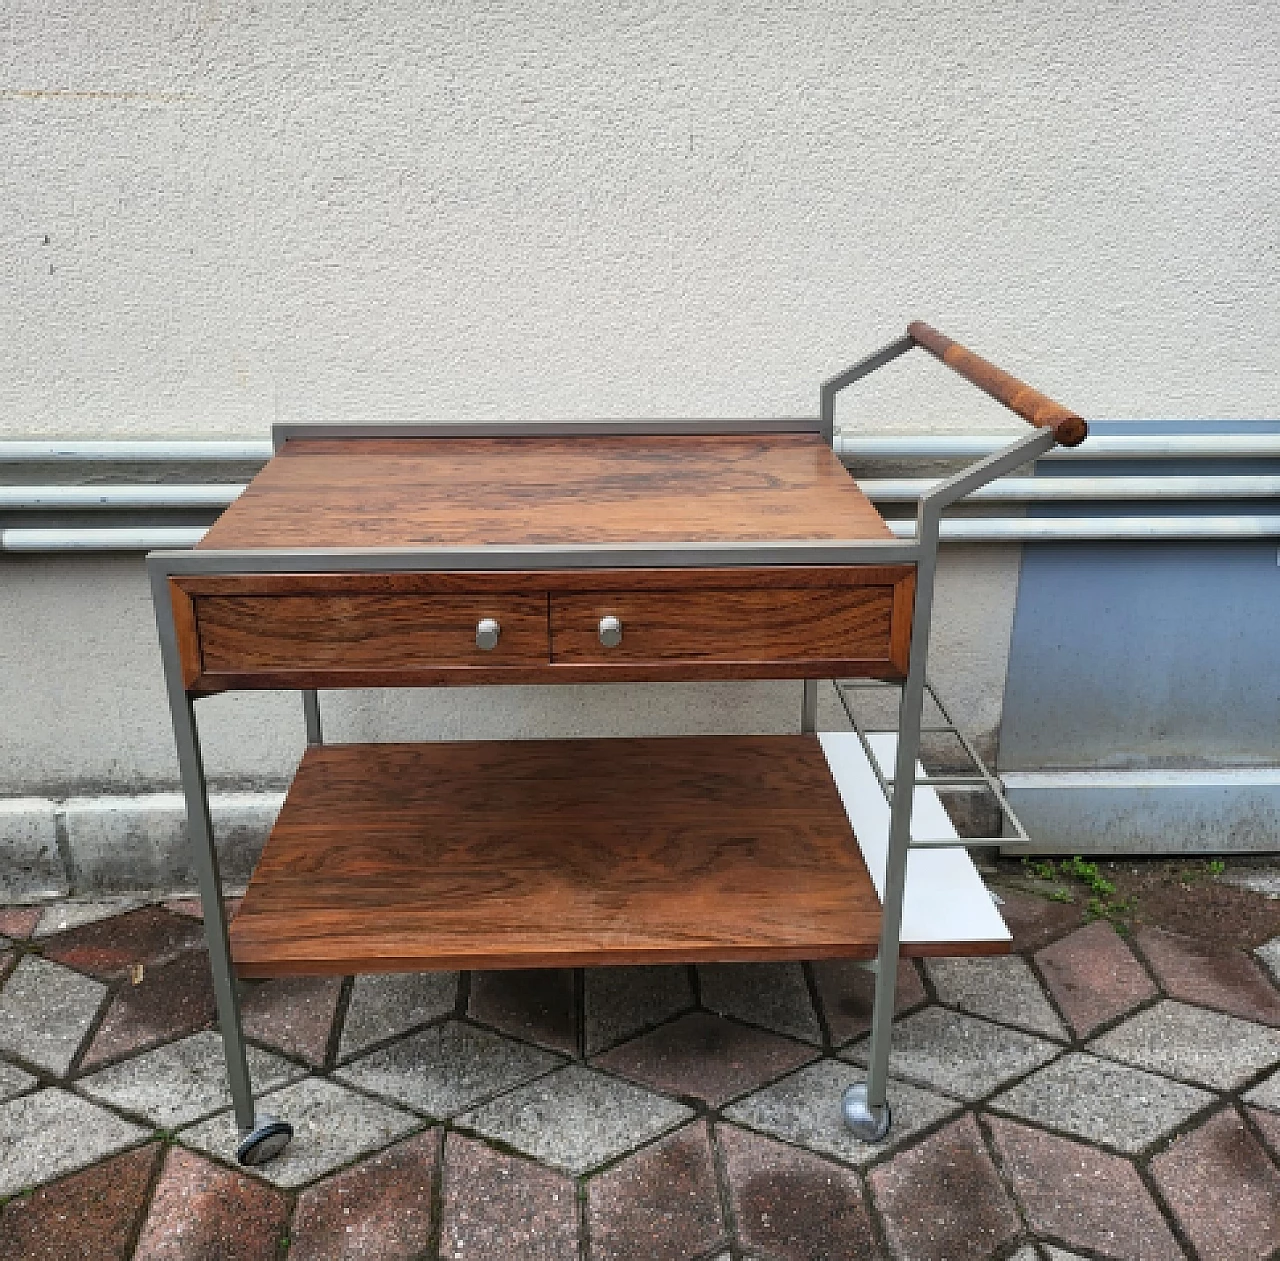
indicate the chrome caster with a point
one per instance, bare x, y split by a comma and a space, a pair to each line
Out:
266, 1140
869, 1124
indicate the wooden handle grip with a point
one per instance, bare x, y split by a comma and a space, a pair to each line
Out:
1039, 409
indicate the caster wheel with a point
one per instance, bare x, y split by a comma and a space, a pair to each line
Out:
266, 1140
869, 1124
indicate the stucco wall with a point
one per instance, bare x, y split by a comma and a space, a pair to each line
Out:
218, 213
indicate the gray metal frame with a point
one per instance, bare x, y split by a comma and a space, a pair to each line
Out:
922, 551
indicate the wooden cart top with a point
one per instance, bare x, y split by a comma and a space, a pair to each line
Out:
513, 491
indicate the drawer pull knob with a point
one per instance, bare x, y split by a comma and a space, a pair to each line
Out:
610, 631
487, 632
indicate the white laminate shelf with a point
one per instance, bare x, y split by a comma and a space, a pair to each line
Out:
946, 899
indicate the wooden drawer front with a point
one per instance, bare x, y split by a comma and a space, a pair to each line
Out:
820, 624
328, 631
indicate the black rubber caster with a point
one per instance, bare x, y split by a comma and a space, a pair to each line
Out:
264, 1142
869, 1124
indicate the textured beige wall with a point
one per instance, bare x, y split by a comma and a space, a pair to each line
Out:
215, 214
219, 213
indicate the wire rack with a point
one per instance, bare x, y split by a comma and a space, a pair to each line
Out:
979, 780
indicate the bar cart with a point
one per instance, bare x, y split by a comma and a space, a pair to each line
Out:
538, 552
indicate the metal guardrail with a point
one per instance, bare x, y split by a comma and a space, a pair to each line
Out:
203, 500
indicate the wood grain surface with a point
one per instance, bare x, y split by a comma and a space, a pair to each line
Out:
406, 492
351, 632
818, 624
418, 629
554, 854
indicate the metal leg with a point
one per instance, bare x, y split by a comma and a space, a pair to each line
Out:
865, 1106
311, 712
261, 1136
809, 706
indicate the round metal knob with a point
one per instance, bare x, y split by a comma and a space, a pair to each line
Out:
487, 632
610, 631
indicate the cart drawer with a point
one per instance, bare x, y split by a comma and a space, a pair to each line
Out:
832, 626
330, 631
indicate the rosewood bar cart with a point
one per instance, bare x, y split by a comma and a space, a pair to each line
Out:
433, 555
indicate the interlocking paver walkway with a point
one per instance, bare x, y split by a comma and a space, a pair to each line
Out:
1088, 1096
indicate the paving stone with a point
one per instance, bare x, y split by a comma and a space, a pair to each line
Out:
1035, 921
1094, 977
109, 947
661, 1204
1002, 988
805, 1109
942, 1200
53, 1132
1264, 879
33, 866
62, 916
498, 1207
332, 1126
447, 1067
1268, 952
1103, 1102
619, 1002
45, 1012
846, 990
1197, 972
19, 921
537, 1005
1087, 1198
93, 1214
791, 1205
192, 907
576, 1119
960, 1054
1267, 1093
380, 1210
13, 1081
1201, 1046
1054, 1254
1223, 1190
386, 1004
201, 1212
774, 995
293, 1014
171, 1001
706, 1057
182, 1082
1268, 1124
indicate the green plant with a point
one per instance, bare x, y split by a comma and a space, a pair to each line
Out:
1088, 874
1216, 866
1042, 869
1102, 908
1061, 895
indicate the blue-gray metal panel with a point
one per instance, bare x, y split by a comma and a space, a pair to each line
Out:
1159, 654
1150, 818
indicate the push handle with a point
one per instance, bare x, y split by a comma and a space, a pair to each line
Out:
1039, 409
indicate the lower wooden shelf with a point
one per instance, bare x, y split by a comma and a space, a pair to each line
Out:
557, 853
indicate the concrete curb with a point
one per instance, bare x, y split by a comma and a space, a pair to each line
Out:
84, 845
